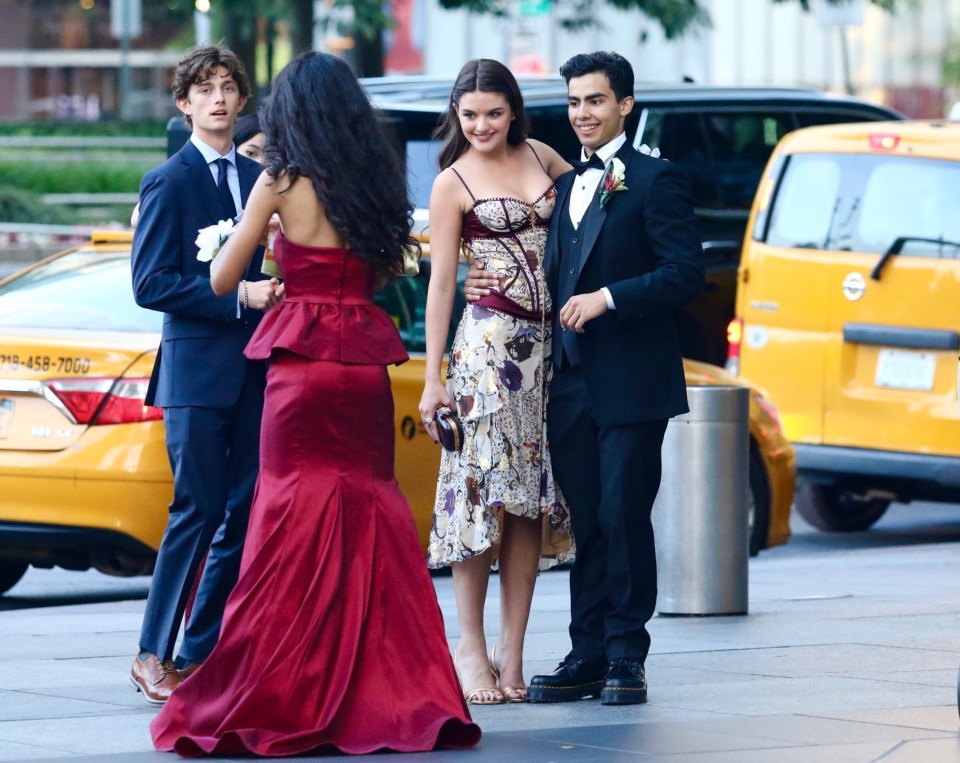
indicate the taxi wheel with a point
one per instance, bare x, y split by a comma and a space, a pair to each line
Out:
759, 502
831, 509
10, 574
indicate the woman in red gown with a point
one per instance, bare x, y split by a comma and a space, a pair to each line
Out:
332, 638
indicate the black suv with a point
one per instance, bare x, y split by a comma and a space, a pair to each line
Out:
721, 137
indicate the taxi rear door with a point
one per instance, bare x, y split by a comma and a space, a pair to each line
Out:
894, 282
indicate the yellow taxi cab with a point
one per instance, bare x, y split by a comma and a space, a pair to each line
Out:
846, 313
83, 465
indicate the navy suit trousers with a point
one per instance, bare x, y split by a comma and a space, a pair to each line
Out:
214, 454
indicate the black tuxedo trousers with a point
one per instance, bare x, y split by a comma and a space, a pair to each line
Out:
610, 476
614, 388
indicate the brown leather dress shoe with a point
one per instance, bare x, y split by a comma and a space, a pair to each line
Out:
188, 671
154, 677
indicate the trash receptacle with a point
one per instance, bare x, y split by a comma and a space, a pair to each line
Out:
701, 514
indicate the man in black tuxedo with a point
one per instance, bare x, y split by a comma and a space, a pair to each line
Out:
211, 395
622, 254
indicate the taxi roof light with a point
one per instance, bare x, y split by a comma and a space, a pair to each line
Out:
111, 236
884, 141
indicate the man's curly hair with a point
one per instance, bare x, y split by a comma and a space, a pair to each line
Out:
199, 63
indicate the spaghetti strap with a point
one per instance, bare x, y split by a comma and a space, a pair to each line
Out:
472, 197
536, 155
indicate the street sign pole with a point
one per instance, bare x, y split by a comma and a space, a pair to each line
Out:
839, 16
125, 24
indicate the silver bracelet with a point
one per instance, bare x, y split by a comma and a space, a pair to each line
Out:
246, 296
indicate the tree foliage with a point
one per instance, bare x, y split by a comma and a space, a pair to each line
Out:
370, 18
675, 17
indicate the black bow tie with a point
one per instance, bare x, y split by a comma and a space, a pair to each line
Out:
594, 162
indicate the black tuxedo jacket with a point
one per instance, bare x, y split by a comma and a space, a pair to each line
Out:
201, 361
643, 246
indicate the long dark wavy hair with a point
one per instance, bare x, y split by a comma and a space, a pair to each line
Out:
319, 123
486, 76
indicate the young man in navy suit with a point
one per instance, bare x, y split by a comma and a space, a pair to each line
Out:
622, 254
211, 395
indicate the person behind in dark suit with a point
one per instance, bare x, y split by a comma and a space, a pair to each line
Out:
211, 395
622, 254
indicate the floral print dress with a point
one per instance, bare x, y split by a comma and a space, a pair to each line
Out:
498, 375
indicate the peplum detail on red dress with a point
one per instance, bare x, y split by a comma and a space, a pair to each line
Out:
327, 312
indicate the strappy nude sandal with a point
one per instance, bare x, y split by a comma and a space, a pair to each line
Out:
473, 696
510, 693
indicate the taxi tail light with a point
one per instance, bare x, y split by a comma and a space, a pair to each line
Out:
124, 404
105, 401
734, 340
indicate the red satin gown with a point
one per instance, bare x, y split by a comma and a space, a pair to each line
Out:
333, 638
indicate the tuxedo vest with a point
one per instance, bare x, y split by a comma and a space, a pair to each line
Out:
565, 348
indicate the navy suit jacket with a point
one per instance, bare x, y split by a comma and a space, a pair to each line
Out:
644, 247
201, 361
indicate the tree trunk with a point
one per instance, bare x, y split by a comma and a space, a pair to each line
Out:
301, 16
241, 33
367, 59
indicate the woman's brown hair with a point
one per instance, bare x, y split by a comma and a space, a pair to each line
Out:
482, 75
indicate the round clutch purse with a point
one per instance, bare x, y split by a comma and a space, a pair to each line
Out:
449, 430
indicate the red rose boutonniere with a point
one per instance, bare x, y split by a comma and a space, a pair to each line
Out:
612, 181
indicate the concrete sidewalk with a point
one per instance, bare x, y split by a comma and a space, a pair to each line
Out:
846, 655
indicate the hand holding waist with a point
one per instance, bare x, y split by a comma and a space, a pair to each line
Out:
479, 282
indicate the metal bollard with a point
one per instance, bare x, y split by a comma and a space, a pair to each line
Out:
701, 514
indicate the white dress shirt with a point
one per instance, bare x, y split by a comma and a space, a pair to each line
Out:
585, 188
210, 156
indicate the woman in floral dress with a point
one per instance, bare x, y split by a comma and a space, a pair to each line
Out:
496, 500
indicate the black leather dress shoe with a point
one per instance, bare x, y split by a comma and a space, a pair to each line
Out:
573, 679
625, 684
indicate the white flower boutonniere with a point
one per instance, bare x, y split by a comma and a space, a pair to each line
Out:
212, 238
612, 181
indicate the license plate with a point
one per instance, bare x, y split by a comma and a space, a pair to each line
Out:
903, 369
6, 416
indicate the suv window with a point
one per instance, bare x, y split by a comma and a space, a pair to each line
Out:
422, 164
865, 203
681, 138
722, 152
405, 299
552, 126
